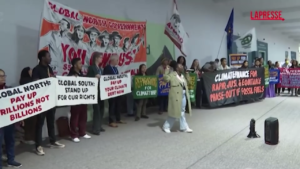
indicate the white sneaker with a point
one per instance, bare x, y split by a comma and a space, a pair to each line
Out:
188, 130
76, 140
39, 151
4, 158
166, 130
87, 136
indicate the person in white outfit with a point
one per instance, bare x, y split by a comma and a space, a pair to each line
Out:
178, 98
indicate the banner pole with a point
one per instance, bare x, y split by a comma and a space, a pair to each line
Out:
220, 45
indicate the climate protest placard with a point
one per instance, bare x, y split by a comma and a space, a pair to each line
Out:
114, 85
163, 86
72, 90
144, 87
22, 102
274, 76
69, 33
289, 78
192, 84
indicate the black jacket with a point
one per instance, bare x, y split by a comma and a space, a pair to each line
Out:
72, 72
25, 80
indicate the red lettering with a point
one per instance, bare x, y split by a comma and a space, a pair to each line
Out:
70, 53
175, 32
95, 21
217, 96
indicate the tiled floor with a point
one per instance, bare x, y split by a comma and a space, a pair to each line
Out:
219, 142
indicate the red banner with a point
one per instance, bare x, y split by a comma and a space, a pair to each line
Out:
289, 78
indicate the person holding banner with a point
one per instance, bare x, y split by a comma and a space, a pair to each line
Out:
294, 90
7, 133
43, 71
163, 100
141, 103
181, 60
223, 65
244, 65
114, 107
78, 112
95, 70
178, 98
277, 89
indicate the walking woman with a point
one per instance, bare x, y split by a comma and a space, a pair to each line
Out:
98, 109
141, 103
178, 98
78, 112
7, 133
29, 128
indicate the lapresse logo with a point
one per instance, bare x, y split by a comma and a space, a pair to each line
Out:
266, 15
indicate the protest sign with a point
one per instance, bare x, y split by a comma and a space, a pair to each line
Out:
25, 101
144, 87
289, 78
163, 86
192, 84
69, 33
274, 76
114, 85
72, 90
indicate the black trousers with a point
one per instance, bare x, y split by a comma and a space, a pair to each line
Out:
50, 117
277, 89
114, 110
98, 112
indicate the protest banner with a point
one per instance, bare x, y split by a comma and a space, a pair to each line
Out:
70, 33
267, 76
274, 76
228, 86
237, 60
192, 84
163, 86
72, 90
114, 85
25, 101
144, 87
289, 78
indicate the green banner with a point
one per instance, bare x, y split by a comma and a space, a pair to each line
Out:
145, 87
192, 84
267, 75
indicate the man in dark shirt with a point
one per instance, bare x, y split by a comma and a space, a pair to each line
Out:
42, 71
114, 108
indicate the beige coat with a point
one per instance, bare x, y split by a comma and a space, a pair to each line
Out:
175, 94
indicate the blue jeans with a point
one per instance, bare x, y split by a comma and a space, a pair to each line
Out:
171, 120
8, 134
163, 103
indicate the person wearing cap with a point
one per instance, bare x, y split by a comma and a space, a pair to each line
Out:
163, 100
93, 34
77, 37
104, 39
53, 41
116, 38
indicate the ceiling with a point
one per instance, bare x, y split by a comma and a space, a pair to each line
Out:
290, 12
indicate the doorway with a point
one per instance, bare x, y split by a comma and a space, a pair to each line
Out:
262, 54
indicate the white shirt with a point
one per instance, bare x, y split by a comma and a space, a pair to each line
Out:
222, 68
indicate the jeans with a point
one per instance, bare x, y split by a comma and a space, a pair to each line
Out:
8, 134
49, 115
171, 120
163, 103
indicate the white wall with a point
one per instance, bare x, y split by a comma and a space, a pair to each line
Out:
203, 20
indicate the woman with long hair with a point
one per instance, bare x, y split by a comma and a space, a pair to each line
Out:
181, 60
244, 65
196, 67
178, 98
141, 103
94, 70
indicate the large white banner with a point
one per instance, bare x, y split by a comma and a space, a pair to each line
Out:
247, 42
114, 85
69, 33
73, 90
175, 31
22, 102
